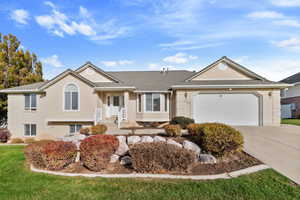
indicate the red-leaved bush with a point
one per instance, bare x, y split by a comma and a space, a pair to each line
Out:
95, 151
4, 135
53, 155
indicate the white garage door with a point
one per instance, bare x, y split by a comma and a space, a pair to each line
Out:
231, 109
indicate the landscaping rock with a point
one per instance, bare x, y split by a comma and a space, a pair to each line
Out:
126, 160
123, 147
207, 159
114, 158
159, 139
147, 139
191, 146
133, 139
170, 141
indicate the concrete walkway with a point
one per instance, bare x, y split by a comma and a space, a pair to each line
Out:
278, 147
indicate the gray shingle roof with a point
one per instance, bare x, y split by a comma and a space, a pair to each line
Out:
152, 80
29, 87
292, 79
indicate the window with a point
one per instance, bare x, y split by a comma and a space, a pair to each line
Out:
30, 129
116, 101
71, 97
152, 102
108, 101
74, 128
30, 101
139, 102
166, 102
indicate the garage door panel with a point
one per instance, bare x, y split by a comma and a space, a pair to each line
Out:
233, 109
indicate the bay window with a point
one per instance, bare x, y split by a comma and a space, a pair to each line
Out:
152, 102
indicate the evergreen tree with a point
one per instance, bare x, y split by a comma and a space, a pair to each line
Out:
17, 67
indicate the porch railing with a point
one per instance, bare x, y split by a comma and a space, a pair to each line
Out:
122, 116
97, 116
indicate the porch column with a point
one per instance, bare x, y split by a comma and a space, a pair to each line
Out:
126, 102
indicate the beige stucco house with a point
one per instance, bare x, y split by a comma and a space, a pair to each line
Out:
222, 92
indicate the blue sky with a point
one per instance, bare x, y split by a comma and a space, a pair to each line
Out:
263, 35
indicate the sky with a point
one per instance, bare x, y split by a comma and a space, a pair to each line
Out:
262, 35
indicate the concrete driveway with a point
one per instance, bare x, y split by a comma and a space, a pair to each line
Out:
278, 147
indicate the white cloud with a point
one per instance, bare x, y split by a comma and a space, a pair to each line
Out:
286, 3
60, 24
179, 58
291, 43
265, 15
83, 12
21, 16
154, 66
287, 22
52, 61
116, 63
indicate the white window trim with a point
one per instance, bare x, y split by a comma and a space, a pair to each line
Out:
30, 124
162, 109
63, 104
30, 108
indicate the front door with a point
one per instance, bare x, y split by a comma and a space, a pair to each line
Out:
115, 105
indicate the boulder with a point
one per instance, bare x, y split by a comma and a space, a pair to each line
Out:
159, 139
123, 147
191, 146
170, 141
114, 158
147, 139
207, 159
126, 160
133, 139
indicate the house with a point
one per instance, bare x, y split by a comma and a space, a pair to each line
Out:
290, 97
222, 92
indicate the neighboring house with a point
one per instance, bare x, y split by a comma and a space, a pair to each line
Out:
222, 92
290, 97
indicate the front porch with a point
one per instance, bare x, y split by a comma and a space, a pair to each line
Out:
112, 108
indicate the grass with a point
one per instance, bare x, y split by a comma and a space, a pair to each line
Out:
291, 121
19, 183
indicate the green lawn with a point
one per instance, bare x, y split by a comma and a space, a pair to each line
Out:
291, 121
17, 182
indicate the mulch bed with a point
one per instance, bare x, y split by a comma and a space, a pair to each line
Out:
234, 162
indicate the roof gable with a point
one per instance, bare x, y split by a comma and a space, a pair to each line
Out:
95, 74
63, 75
225, 69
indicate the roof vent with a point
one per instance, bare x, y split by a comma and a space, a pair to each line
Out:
164, 70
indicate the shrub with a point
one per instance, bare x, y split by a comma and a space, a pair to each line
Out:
182, 121
173, 130
16, 141
84, 131
29, 140
220, 139
52, 155
33, 154
95, 151
160, 157
98, 129
4, 135
194, 129
58, 154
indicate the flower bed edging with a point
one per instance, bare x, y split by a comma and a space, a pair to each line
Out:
162, 176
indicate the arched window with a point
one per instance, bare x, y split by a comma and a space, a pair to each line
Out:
71, 97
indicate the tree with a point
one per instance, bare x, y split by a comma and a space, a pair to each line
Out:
17, 67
